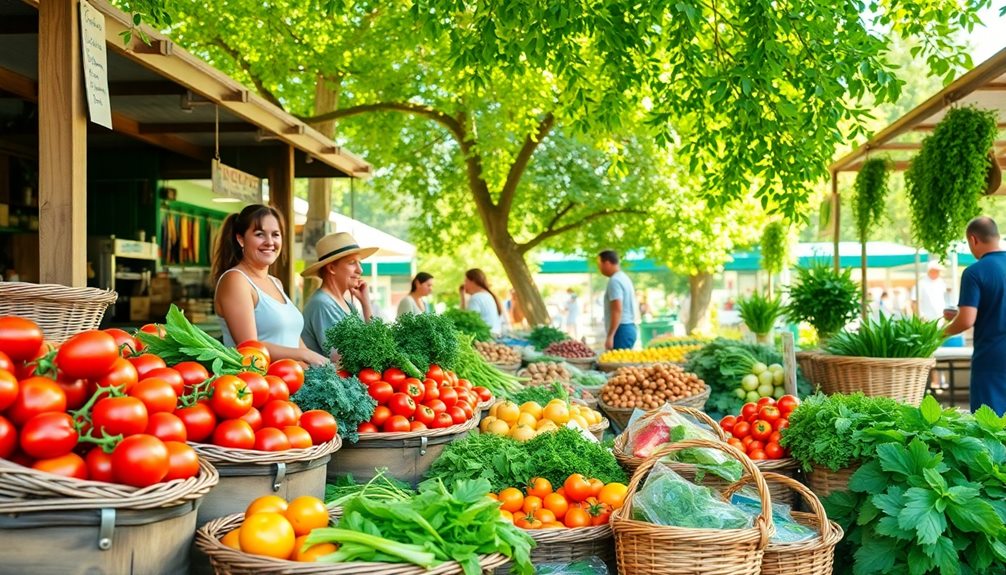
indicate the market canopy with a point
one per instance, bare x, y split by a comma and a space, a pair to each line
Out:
390, 246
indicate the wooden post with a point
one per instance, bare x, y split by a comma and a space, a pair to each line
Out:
789, 362
281, 176
62, 147
863, 268
836, 210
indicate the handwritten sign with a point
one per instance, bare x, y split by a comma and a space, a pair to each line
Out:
233, 183
92, 44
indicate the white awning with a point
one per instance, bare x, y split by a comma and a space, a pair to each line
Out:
391, 248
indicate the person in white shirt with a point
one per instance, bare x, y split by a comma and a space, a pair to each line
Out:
481, 299
930, 295
413, 302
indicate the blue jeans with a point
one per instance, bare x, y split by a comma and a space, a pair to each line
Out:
625, 336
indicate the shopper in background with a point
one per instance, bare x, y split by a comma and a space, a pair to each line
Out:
481, 299
341, 275
983, 305
572, 309
931, 293
413, 302
251, 303
619, 304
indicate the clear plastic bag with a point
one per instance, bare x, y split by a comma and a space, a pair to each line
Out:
787, 529
666, 425
588, 566
669, 499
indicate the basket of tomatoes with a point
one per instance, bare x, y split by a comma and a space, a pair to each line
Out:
756, 431
569, 523
60, 311
412, 424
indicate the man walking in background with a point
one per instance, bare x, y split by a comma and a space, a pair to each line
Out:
982, 305
619, 304
931, 293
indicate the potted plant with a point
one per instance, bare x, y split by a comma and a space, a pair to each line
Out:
948, 176
868, 206
760, 313
824, 298
774, 248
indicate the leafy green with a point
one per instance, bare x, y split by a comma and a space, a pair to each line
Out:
824, 298
469, 322
545, 335
345, 398
472, 366
910, 336
381, 486
558, 454
438, 525
183, 341
367, 344
426, 339
759, 312
869, 204
540, 394
774, 247
668, 499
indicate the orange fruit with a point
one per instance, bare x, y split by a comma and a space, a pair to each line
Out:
232, 539
306, 513
313, 552
267, 533
273, 503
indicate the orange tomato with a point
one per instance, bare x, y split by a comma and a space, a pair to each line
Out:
577, 517
775, 437
539, 487
493, 496
232, 539
528, 523
252, 357
273, 503
596, 485
552, 525
531, 504
760, 430
313, 552
557, 504
267, 533
544, 515
746, 442
511, 499
736, 443
306, 513
741, 429
613, 494
577, 488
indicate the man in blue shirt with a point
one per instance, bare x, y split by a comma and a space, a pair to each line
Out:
983, 305
619, 304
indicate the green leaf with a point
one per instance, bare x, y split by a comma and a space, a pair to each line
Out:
896, 459
945, 556
869, 478
876, 555
975, 516
988, 419
931, 409
920, 513
891, 502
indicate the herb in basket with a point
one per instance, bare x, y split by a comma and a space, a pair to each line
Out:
183, 341
435, 526
824, 298
426, 339
469, 323
760, 313
380, 487
541, 394
472, 366
545, 335
368, 344
887, 337
345, 398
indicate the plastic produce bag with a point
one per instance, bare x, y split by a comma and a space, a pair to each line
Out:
666, 425
588, 566
669, 499
787, 529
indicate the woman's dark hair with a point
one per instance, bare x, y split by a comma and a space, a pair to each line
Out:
227, 252
478, 277
421, 278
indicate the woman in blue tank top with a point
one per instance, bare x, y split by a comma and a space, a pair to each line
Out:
250, 303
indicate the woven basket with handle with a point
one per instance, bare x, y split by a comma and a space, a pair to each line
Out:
812, 557
642, 548
823, 481
901, 379
569, 545
805, 359
630, 462
222, 456
59, 310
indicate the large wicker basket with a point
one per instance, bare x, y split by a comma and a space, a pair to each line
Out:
630, 462
823, 481
812, 557
59, 310
642, 548
622, 415
569, 545
902, 379
227, 561
805, 359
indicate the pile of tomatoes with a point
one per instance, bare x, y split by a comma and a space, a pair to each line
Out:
757, 429
408, 404
98, 408
274, 528
579, 502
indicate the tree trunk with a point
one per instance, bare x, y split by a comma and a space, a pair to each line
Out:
701, 289
520, 277
317, 225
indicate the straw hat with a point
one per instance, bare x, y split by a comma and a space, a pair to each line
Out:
335, 247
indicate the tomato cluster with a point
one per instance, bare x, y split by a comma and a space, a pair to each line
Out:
274, 528
579, 502
757, 429
408, 404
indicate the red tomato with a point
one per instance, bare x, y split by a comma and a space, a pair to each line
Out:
271, 439
321, 425
254, 344
381, 414
278, 414
443, 420
736, 443
393, 375
199, 421
156, 394
155, 329
36, 395
145, 363
746, 442
749, 411
20, 338
787, 404
402, 404
457, 415
741, 429
765, 401
289, 371
140, 460
119, 415
432, 389
183, 461
278, 389
193, 373
99, 465
727, 423
449, 396
757, 455
8, 389
437, 406
483, 393
396, 424
234, 433
366, 427
123, 341
773, 451
435, 373
769, 413
166, 427
467, 408
48, 435
381, 391
258, 386
760, 430
781, 424
755, 445
775, 437
170, 375
87, 355
425, 415
122, 373
298, 436
231, 398
67, 465
77, 392
6, 363
413, 388
254, 358
254, 418
8, 438
369, 376
417, 426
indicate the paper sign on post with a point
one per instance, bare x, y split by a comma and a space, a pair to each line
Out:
92, 52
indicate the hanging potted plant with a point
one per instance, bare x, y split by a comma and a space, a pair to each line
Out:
948, 176
774, 250
868, 206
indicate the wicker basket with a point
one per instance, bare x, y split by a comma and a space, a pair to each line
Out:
59, 310
630, 462
787, 467
622, 415
642, 548
227, 561
823, 481
901, 379
569, 545
598, 428
805, 359
584, 363
813, 557
508, 368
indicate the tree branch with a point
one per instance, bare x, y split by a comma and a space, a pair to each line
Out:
558, 216
520, 163
246, 66
551, 232
450, 122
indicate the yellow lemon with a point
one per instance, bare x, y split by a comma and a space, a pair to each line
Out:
498, 427
557, 412
522, 432
533, 408
508, 412
527, 419
484, 424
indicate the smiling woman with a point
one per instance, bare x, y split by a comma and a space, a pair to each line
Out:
250, 302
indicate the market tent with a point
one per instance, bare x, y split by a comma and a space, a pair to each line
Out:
391, 247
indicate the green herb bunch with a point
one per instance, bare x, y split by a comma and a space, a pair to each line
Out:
426, 339
183, 341
540, 394
345, 398
828, 430
886, 337
368, 344
869, 203
472, 366
931, 500
545, 335
774, 247
469, 322
824, 298
380, 486
948, 176
760, 313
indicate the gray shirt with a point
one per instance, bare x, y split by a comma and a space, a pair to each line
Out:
321, 313
620, 288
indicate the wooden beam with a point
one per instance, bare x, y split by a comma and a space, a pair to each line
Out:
62, 147
836, 216
993, 87
195, 128
158, 46
917, 146
130, 127
281, 176
19, 25
21, 86
931, 127
155, 88
897, 166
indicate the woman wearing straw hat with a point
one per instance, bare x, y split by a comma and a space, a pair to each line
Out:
339, 269
250, 303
